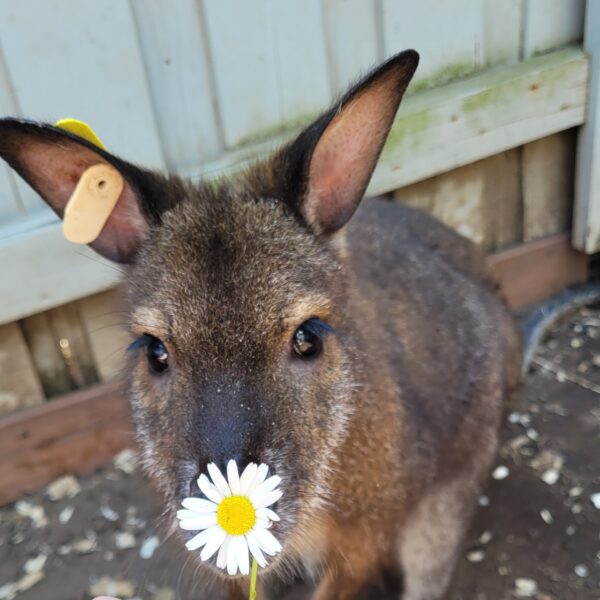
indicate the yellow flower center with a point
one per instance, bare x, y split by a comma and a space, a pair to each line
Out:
236, 515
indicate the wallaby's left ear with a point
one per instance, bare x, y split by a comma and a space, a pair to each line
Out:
52, 161
335, 156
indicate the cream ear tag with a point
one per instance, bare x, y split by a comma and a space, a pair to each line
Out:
91, 203
96, 194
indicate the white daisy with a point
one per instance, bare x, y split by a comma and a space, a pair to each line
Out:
235, 519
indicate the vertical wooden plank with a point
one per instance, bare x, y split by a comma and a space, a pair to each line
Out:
68, 330
11, 206
448, 35
550, 24
104, 322
502, 30
19, 383
548, 173
300, 58
351, 38
241, 46
70, 59
177, 62
586, 234
482, 201
46, 356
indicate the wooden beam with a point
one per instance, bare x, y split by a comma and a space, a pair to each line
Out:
73, 434
531, 272
586, 226
78, 432
435, 131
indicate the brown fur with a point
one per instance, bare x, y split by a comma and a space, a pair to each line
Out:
383, 441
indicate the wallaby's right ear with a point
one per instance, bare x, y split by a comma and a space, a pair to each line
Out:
52, 160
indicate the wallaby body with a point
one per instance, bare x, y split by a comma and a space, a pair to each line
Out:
367, 363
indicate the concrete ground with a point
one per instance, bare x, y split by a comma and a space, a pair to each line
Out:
536, 534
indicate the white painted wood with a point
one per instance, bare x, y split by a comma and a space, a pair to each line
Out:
446, 127
41, 270
11, 206
241, 46
502, 31
67, 62
435, 131
300, 58
351, 38
586, 232
448, 36
551, 24
178, 66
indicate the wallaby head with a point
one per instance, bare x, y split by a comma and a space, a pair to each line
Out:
237, 291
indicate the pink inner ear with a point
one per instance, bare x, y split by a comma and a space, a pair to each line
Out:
54, 169
345, 156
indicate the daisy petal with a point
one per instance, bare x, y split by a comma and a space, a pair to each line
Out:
265, 500
213, 544
232, 557
199, 540
218, 479
184, 513
267, 541
267, 513
233, 477
261, 475
247, 477
270, 484
242, 555
199, 522
222, 556
209, 490
199, 504
255, 550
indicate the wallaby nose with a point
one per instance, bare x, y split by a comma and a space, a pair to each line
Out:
227, 426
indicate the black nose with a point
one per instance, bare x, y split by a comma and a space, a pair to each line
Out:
226, 426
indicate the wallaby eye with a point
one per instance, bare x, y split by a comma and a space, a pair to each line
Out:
158, 357
308, 338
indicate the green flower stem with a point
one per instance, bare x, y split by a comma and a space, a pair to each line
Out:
253, 576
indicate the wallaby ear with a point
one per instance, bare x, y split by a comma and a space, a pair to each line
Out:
52, 161
335, 156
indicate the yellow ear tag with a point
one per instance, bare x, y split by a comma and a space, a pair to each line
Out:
95, 195
83, 130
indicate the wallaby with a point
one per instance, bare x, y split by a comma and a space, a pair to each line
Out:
367, 362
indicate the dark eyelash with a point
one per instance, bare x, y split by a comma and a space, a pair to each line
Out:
142, 342
317, 327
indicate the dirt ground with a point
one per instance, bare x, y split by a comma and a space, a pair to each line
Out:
536, 533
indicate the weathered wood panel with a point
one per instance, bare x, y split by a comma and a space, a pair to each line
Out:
419, 26
42, 270
67, 62
19, 383
46, 355
435, 131
550, 24
73, 434
353, 40
532, 272
246, 80
179, 73
104, 324
482, 200
548, 181
586, 233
